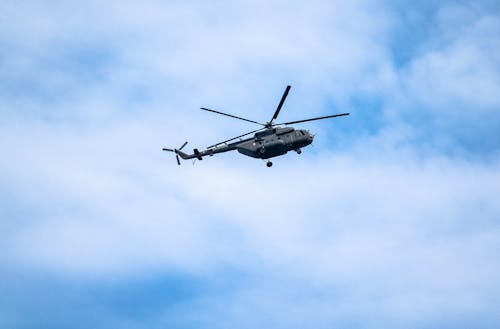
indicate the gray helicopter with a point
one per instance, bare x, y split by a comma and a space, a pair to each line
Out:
268, 142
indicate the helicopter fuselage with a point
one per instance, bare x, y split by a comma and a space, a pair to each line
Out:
274, 142
264, 145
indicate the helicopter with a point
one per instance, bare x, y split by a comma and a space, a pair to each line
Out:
270, 141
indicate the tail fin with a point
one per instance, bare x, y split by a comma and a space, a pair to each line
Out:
197, 154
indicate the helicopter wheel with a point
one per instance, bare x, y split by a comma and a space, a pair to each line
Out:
269, 164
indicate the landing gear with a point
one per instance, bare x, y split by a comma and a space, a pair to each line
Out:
269, 164
298, 151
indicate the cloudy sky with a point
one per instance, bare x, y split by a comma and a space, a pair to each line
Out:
391, 219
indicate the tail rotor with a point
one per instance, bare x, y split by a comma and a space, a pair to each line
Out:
176, 152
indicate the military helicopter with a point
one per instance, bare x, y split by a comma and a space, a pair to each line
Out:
269, 141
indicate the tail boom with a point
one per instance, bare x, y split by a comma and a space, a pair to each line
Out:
200, 154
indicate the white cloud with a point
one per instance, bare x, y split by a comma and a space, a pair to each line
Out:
107, 203
412, 238
462, 74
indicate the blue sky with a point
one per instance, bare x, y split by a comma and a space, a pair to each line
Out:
391, 219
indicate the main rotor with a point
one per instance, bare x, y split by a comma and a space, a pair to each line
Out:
278, 109
270, 124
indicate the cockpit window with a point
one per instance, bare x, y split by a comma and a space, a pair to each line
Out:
302, 133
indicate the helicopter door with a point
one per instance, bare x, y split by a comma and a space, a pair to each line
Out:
289, 138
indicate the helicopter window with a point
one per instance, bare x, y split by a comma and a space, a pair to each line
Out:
302, 133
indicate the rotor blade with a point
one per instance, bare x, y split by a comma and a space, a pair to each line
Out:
169, 150
281, 103
232, 116
319, 118
185, 143
254, 131
178, 161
